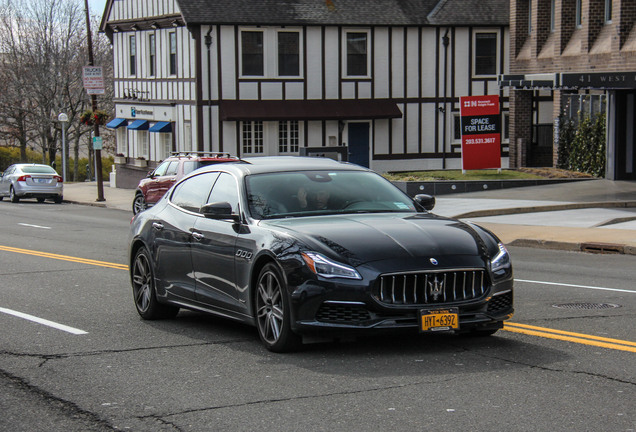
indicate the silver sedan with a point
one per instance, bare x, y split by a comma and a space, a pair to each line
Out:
31, 181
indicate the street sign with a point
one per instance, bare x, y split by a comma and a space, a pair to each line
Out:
481, 132
97, 143
94, 80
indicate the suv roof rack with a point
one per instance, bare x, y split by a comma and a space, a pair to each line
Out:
202, 154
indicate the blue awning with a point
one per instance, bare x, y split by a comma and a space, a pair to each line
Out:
164, 127
138, 125
116, 122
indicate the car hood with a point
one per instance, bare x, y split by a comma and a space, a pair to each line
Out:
364, 238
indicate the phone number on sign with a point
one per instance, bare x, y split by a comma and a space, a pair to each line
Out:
480, 141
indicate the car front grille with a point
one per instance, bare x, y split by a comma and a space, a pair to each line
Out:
500, 302
431, 287
342, 313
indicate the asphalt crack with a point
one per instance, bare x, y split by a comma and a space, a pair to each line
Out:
70, 409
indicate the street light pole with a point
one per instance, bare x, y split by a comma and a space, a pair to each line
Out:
98, 152
63, 118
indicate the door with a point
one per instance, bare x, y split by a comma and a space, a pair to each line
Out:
214, 250
163, 177
173, 236
622, 137
358, 138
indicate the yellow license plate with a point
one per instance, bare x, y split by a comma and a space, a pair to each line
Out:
439, 319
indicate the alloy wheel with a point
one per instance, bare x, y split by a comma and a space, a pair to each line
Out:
142, 283
269, 307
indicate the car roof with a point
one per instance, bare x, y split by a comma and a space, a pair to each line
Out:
271, 164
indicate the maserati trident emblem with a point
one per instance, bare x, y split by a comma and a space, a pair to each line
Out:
435, 288
434, 261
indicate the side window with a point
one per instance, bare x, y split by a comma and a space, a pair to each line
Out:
189, 166
161, 169
225, 190
192, 193
172, 168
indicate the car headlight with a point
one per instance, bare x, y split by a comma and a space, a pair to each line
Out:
501, 260
325, 267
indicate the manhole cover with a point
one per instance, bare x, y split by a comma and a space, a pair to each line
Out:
586, 306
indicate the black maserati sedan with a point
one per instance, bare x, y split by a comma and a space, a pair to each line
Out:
307, 248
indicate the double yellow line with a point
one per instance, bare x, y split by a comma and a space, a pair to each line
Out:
580, 338
65, 258
509, 326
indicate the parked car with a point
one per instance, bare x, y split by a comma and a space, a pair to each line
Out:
31, 181
310, 246
151, 189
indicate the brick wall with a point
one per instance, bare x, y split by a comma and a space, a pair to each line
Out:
520, 126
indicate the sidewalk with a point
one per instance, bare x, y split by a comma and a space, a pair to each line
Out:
591, 216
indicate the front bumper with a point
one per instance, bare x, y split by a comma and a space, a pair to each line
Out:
321, 307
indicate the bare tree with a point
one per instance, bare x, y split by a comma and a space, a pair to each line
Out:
43, 49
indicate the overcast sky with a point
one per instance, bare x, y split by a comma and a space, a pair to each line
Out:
96, 7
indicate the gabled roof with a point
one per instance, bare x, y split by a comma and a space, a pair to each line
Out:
341, 12
346, 12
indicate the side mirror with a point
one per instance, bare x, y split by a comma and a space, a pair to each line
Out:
150, 174
219, 211
425, 201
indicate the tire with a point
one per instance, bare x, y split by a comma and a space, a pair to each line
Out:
58, 199
273, 311
40, 200
142, 277
484, 332
13, 196
139, 203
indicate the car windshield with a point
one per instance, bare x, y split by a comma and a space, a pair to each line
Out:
38, 169
292, 194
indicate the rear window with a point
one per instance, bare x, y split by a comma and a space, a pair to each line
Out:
41, 169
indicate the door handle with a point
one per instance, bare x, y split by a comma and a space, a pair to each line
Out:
157, 226
197, 236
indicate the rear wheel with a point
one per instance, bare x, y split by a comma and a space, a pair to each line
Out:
58, 199
273, 311
13, 196
139, 204
143, 283
40, 200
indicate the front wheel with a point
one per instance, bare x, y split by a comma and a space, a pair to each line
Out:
139, 204
273, 311
142, 276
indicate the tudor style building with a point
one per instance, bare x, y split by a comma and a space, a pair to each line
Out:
568, 57
376, 82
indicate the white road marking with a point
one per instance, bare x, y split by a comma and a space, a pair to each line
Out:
34, 226
576, 286
43, 321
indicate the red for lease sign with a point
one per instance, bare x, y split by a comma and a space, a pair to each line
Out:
481, 132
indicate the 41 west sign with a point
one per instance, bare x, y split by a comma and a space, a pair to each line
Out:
481, 132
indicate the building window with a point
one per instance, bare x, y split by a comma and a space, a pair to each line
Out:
357, 49
187, 137
142, 144
457, 127
529, 16
288, 53
608, 11
552, 16
252, 137
132, 49
252, 53
579, 14
122, 141
165, 145
173, 54
505, 133
288, 136
151, 54
485, 53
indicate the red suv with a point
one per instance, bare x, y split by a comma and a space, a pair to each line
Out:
156, 184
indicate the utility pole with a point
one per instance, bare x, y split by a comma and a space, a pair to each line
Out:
98, 152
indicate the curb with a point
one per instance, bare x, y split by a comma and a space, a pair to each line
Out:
546, 208
588, 247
